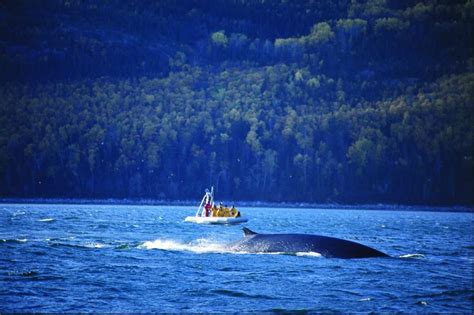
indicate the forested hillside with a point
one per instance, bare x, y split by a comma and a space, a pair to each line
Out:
316, 101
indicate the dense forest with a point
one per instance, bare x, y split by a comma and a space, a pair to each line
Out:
350, 101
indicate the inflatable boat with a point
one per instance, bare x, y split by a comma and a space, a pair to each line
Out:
209, 213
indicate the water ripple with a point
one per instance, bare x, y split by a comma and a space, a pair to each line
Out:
135, 259
239, 294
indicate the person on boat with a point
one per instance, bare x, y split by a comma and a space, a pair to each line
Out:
225, 211
207, 209
214, 211
207, 203
233, 211
220, 210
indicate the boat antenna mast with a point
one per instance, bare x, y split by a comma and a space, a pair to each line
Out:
208, 198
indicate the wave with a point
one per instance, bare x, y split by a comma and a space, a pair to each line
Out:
445, 293
30, 273
412, 256
199, 246
94, 245
14, 240
233, 293
309, 254
88, 245
46, 220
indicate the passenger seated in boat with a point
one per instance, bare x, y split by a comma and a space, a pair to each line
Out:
224, 211
233, 212
221, 210
214, 211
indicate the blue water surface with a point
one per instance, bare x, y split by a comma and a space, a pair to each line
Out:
116, 258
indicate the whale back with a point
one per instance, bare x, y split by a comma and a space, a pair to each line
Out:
293, 243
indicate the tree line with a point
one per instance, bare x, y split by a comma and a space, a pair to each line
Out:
346, 101
242, 132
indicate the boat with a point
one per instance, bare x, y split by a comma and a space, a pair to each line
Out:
209, 213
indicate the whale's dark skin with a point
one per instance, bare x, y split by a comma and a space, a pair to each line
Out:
294, 243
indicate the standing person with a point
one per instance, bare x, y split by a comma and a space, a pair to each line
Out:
207, 208
207, 204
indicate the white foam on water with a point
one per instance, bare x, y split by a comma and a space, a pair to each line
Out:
414, 256
199, 246
16, 240
94, 245
46, 220
309, 254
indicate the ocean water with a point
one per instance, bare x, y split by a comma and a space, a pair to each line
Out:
107, 258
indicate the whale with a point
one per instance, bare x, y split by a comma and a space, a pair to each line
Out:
328, 247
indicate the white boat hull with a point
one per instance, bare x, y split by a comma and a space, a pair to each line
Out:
216, 220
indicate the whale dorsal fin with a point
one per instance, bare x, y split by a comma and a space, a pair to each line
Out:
248, 232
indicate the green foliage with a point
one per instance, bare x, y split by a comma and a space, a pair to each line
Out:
219, 38
320, 33
354, 101
352, 26
390, 24
102, 147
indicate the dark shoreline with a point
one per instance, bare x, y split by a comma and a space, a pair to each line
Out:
155, 202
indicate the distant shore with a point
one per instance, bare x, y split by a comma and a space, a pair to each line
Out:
264, 204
